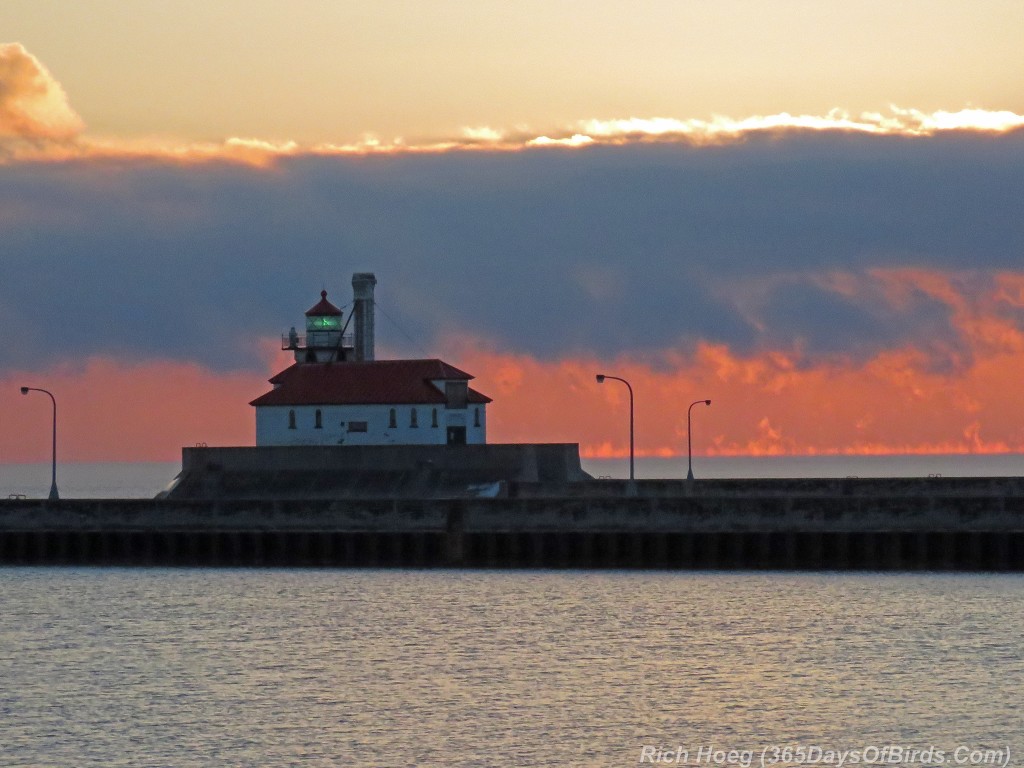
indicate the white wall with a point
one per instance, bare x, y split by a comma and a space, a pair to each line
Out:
272, 425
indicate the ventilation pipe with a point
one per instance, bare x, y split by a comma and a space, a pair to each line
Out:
362, 296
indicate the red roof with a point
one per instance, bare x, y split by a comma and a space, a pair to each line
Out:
323, 307
381, 382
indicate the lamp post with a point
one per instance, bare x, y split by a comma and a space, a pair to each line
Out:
53, 482
689, 440
600, 380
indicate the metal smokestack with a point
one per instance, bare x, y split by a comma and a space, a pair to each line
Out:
362, 299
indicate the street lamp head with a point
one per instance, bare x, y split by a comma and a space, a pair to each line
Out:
599, 377
24, 390
707, 402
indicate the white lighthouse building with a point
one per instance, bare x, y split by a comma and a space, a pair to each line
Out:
337, 393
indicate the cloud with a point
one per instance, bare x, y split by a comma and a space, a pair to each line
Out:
782, 243
115, 410
34, 109
38, 124
899, 122
871, 266
763, 403
720, 130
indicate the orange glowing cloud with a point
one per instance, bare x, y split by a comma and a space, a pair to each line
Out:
113, 411
33, 106
777, 402
760, 404
771, 402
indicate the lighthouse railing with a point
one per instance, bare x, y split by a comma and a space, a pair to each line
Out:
320, 340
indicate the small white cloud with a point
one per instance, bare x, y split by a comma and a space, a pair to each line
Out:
576, 140
482, 133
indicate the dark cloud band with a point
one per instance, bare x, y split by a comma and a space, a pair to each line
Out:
548, 251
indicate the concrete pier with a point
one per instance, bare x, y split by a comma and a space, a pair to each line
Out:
944, 524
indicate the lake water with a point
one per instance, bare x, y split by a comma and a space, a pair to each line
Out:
146, 479
179, 667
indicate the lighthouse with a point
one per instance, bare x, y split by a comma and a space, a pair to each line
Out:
337, 392
324, 340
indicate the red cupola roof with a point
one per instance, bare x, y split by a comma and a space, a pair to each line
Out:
323, 307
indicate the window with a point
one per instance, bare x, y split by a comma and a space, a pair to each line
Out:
476, 417
413, 422
433, 418
357, 426
392, 419
318, 419
291, 419
456, 393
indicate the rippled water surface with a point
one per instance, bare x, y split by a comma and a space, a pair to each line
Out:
153, 667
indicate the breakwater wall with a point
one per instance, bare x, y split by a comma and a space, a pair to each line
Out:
843, 524
372, 471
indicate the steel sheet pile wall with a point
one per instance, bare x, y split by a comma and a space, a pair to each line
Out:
981, 528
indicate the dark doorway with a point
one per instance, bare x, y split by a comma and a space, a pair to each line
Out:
456, 435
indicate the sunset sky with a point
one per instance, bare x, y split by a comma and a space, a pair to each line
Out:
809, 212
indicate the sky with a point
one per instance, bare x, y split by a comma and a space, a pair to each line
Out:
808, 212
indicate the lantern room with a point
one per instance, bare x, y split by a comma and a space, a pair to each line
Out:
325, 340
